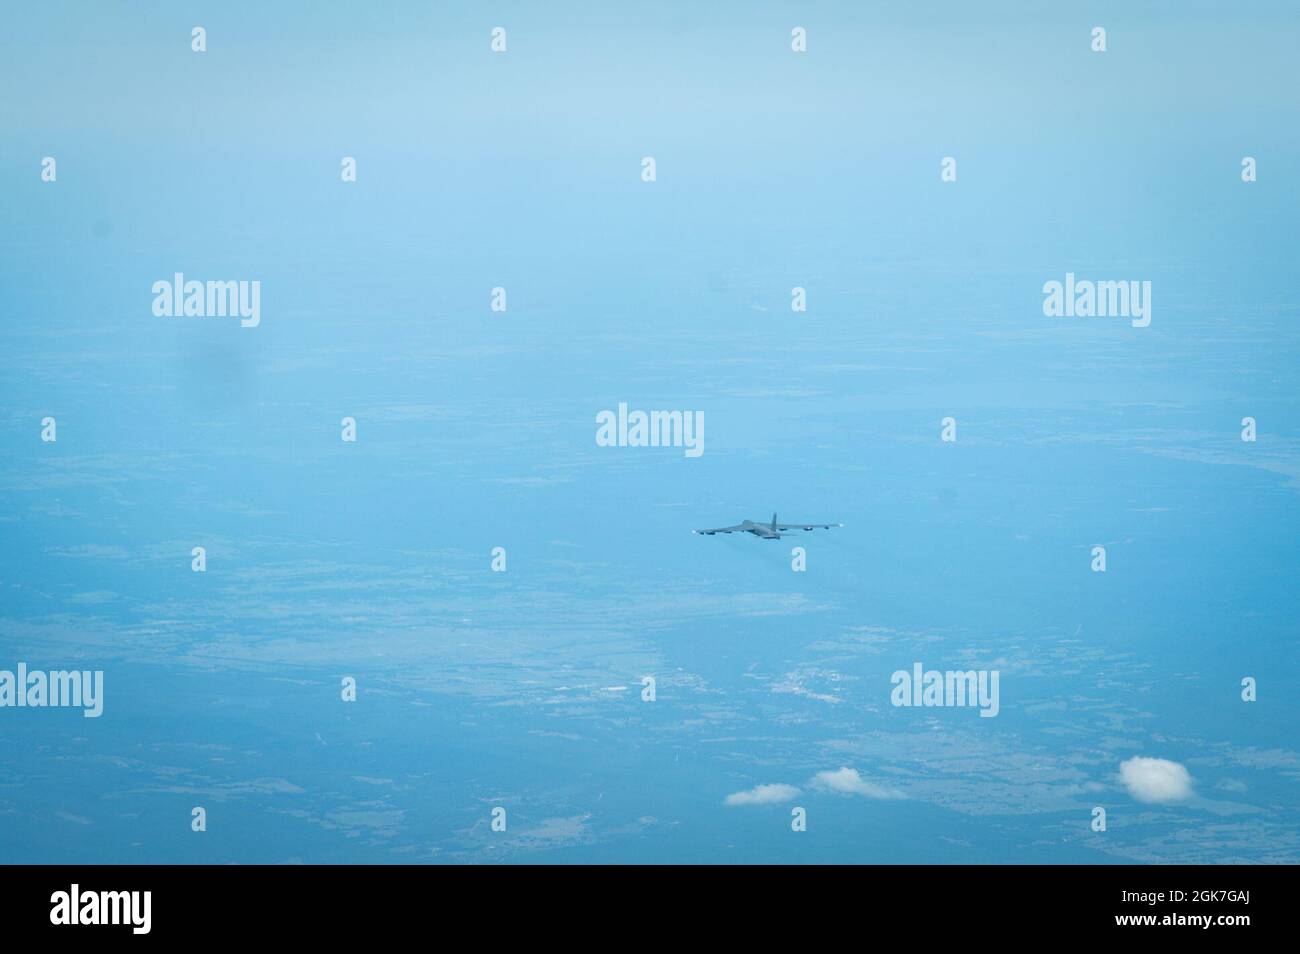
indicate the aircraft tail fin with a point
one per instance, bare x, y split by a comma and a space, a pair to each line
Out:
774, 523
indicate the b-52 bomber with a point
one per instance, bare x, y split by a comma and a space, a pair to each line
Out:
768, 531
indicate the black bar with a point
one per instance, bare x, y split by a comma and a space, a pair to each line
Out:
331, 904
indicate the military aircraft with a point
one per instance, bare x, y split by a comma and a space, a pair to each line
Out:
768, 531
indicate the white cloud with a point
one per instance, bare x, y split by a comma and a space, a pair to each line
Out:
763, 795
847, 781
1155, 780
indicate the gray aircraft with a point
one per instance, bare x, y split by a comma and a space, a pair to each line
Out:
768, 531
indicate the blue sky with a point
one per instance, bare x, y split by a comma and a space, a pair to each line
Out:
476, 429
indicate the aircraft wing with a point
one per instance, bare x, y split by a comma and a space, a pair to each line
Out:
808, 526
736, 529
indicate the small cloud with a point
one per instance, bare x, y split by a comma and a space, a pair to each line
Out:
1155, 780
847, 781
763, 795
